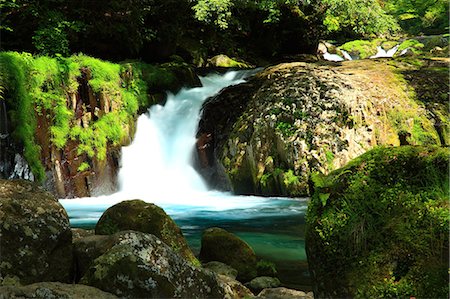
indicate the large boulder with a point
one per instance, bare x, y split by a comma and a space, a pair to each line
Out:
139, 265
378, 228
47, 290
87, 249
220, 245
266, 136
148, 218
35, 235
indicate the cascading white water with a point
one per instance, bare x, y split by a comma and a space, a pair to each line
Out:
158, 162
157, 168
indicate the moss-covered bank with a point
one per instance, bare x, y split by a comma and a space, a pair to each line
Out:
378, 227
70, 114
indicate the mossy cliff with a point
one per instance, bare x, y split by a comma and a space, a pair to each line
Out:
382, 223
266, 136
69, 116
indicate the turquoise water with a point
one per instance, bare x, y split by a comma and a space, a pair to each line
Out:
273, 227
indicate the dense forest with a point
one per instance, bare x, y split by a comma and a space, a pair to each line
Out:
154, 30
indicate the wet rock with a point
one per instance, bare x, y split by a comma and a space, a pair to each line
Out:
221, 268
259, 283
220, 245
148, 218
141, 265
233, 289
284, 293
50, 290
35, 235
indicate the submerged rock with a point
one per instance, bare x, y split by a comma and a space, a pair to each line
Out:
35, 235
220, 245
266, 136
378, 227
50, 290
148, 218
139, 265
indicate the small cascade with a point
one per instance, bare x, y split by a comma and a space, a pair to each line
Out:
381, 53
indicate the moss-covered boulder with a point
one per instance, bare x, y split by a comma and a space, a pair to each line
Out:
284, 293
223, 61
378, 228
35, 235
220, 245
46, 290
148, 218
266, 136
139, 265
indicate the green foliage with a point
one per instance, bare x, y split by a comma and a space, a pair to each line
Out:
358, 17
16, 68
41, 86
214, 11
424, 16
381, 223
83, 167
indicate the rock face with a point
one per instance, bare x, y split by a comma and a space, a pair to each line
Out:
267, 135
220, 245
379, 226
46, 290
35, 235
148, 218
139, 265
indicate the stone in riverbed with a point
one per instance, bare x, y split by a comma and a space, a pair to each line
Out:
148, 218
259, 283
140, 265
220, 245
35, 235
47, 290
284, 293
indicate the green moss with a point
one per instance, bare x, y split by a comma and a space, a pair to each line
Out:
362, 48
383, 225
16, 69
413, 44
37, 86
287, 129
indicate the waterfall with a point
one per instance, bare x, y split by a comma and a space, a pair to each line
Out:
156, 167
